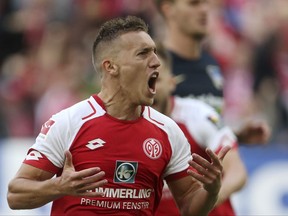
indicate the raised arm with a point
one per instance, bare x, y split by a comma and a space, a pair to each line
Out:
198, 193
235, 175
33, 187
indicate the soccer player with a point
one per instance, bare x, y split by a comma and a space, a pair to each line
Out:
203, 128
111, 151
197, 71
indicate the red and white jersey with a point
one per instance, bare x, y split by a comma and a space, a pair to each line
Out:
135, 155
202, 126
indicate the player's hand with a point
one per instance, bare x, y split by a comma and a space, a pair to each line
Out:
209, 173
254, 132
81, 183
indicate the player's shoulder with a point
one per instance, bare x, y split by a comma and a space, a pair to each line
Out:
166, 124
158, 118
81, 111
193, 106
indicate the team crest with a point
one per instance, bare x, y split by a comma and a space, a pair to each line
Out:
125, 172
152, 148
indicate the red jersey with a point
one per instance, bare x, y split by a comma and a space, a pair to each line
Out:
135, 155
202, 126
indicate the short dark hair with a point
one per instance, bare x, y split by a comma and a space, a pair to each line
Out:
113, 28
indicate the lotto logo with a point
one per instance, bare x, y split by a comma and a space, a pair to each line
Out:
125, 172
34, 155
96, 143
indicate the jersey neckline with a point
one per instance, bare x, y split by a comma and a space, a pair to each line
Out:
101, 103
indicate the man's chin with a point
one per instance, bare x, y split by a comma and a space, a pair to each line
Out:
199, 36
148, 102
155, 102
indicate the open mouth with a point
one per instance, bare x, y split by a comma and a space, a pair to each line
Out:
152, 82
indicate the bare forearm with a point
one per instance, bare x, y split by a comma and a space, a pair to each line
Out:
33, 187
234, 176
28, 194
201, 203
231, 184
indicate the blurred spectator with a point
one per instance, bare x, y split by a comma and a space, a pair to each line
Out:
198, 72
45, 61
16, 98
17, 67
65, 66
241, 41
11, 38
270, 69
44, 51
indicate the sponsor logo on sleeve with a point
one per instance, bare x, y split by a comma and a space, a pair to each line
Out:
46, 126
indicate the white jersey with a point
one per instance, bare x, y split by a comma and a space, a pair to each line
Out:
203, 124
135, 155
203, 128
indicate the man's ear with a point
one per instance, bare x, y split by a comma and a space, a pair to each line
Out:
110, 67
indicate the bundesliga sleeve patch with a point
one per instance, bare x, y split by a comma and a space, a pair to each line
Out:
46, 126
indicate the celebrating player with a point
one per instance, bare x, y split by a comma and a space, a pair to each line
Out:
111, 151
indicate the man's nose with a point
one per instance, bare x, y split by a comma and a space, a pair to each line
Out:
155, 63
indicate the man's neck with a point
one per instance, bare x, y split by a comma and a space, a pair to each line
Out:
120, 108
170, 105
165, 107
183, 45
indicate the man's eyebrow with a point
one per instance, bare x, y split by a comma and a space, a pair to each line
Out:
148, 49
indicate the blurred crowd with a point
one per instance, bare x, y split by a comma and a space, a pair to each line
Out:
45, 57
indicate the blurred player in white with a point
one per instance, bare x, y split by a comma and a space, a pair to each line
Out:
203, 128
201, 77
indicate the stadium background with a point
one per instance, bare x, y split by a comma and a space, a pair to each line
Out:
45, 65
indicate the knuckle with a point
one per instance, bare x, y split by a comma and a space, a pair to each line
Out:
218, 173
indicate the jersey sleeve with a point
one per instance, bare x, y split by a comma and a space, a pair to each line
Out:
48, 151
209, 131
181, 154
